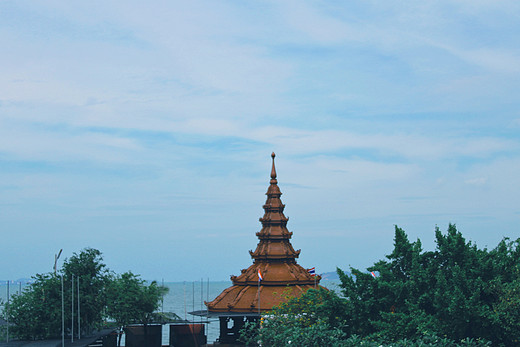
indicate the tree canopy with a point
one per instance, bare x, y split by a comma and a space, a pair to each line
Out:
456, 292
131, 300
94, 276
36, 312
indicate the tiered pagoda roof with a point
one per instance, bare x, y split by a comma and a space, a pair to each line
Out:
274, 257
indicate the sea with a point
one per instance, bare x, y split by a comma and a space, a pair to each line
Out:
181, 299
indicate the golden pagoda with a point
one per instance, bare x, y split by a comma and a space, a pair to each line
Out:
272, 277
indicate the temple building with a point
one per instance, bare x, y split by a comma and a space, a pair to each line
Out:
273, 275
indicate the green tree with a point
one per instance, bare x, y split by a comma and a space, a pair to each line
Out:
93, 276
456, 295
320, 318
130, 300
456, 291
36, 312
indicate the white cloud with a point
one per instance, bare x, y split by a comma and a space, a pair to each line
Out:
33, 144
477, 181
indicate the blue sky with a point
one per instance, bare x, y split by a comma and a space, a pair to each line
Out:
145, 129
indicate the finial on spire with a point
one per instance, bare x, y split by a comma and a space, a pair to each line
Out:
273, 170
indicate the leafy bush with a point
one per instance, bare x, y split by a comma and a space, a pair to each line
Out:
314, 319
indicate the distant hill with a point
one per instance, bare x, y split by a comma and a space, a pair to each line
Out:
332, 275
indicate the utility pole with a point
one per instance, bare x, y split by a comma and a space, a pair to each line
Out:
72, 309
62, 314
259, 298
201, 297
8, 310
162, 298
79, 326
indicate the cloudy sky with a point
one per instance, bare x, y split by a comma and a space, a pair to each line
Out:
144, 129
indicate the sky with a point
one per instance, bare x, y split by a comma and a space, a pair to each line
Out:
145, 129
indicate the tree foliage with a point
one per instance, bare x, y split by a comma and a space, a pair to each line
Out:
36, 313
131, 300
319, 318
94, 276
458, 291
456, 295
314, 319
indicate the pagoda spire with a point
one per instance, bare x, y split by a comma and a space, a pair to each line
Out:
273, 170
274, 237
